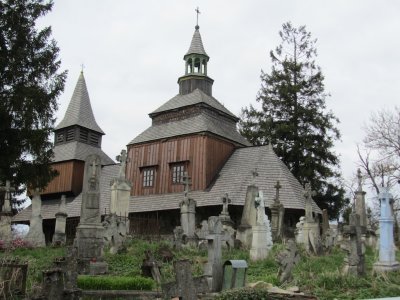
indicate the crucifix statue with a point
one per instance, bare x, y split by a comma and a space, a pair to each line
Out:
255, 174
225, 203
93, 178
277, 187
308, 197
123, 159
186, 181
7, 197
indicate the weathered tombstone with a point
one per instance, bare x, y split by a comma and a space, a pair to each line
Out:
354, 246
224, 215
244, 231
186, 287
262, 238
150, 267
287, 259
6, 213
213, 267
90, 231
13, 275
299, 231
327, 234
35, 235
277, 215
188, 211
114, 232
387, 252
311, 234
178, 238
53, 284
59, 237
325, 221
120, 191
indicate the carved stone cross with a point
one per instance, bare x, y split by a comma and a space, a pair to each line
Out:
123, 159
187, 182
7, 197
277, 187
359, 177
308, 197
94, 166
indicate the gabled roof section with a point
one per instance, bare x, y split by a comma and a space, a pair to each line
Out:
195, 97
203, 122
79, 151
196, 46
234, 178
79, 111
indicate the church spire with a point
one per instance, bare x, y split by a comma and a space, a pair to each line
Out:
196, 60
79, 111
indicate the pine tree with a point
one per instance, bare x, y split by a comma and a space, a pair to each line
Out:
29, 87
293, 117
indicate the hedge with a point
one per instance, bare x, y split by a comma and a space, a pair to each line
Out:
104, 282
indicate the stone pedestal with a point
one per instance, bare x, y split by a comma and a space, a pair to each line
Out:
120, 194
188, 217
35, 235
387, 256
213, 267
259, 249
61, 221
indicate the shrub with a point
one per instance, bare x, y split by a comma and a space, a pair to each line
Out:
103, 282
20, 243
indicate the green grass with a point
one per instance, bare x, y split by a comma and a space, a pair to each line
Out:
320, 276
105, 282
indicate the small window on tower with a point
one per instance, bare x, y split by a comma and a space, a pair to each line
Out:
197, 65
178, 170
60, 137
148, 177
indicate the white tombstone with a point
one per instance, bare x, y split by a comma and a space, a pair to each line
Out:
387, 253
61, 222
262, 237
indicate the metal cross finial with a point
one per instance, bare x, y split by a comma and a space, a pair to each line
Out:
197, 12
82, 67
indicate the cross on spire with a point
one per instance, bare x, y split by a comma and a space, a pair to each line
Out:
82, 67
197, 17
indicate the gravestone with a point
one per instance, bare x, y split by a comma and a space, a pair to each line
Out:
249, 215
120, 191
213, 267
327, 234
90, 231
178, 238
6, 213
35, 235
262, 237
354, 246
59, 237
387, 251
287, 259
311, 234
186, 287
53, 284
13, 276
150, 267
360, 201
224, 215
299, 235
188, 211
114, 232
277, 215
325, 221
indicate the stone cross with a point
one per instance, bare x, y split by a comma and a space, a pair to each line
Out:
225, 203
186, 287
7, 197
277, 187
187, 182
197, 15
308, 195
355, 260
359, 177
123, 159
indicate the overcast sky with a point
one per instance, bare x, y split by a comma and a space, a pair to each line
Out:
132, 53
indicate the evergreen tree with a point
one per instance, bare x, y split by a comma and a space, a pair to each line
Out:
29, 87
293, 117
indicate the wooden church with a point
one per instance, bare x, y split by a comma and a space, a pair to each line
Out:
192, 132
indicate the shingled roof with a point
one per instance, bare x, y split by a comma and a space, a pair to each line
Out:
50, 207
79, 151
196, 46
203, 122
193, 98
79, 111
234, 178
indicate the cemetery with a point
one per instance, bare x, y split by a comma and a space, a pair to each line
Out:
192, 208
